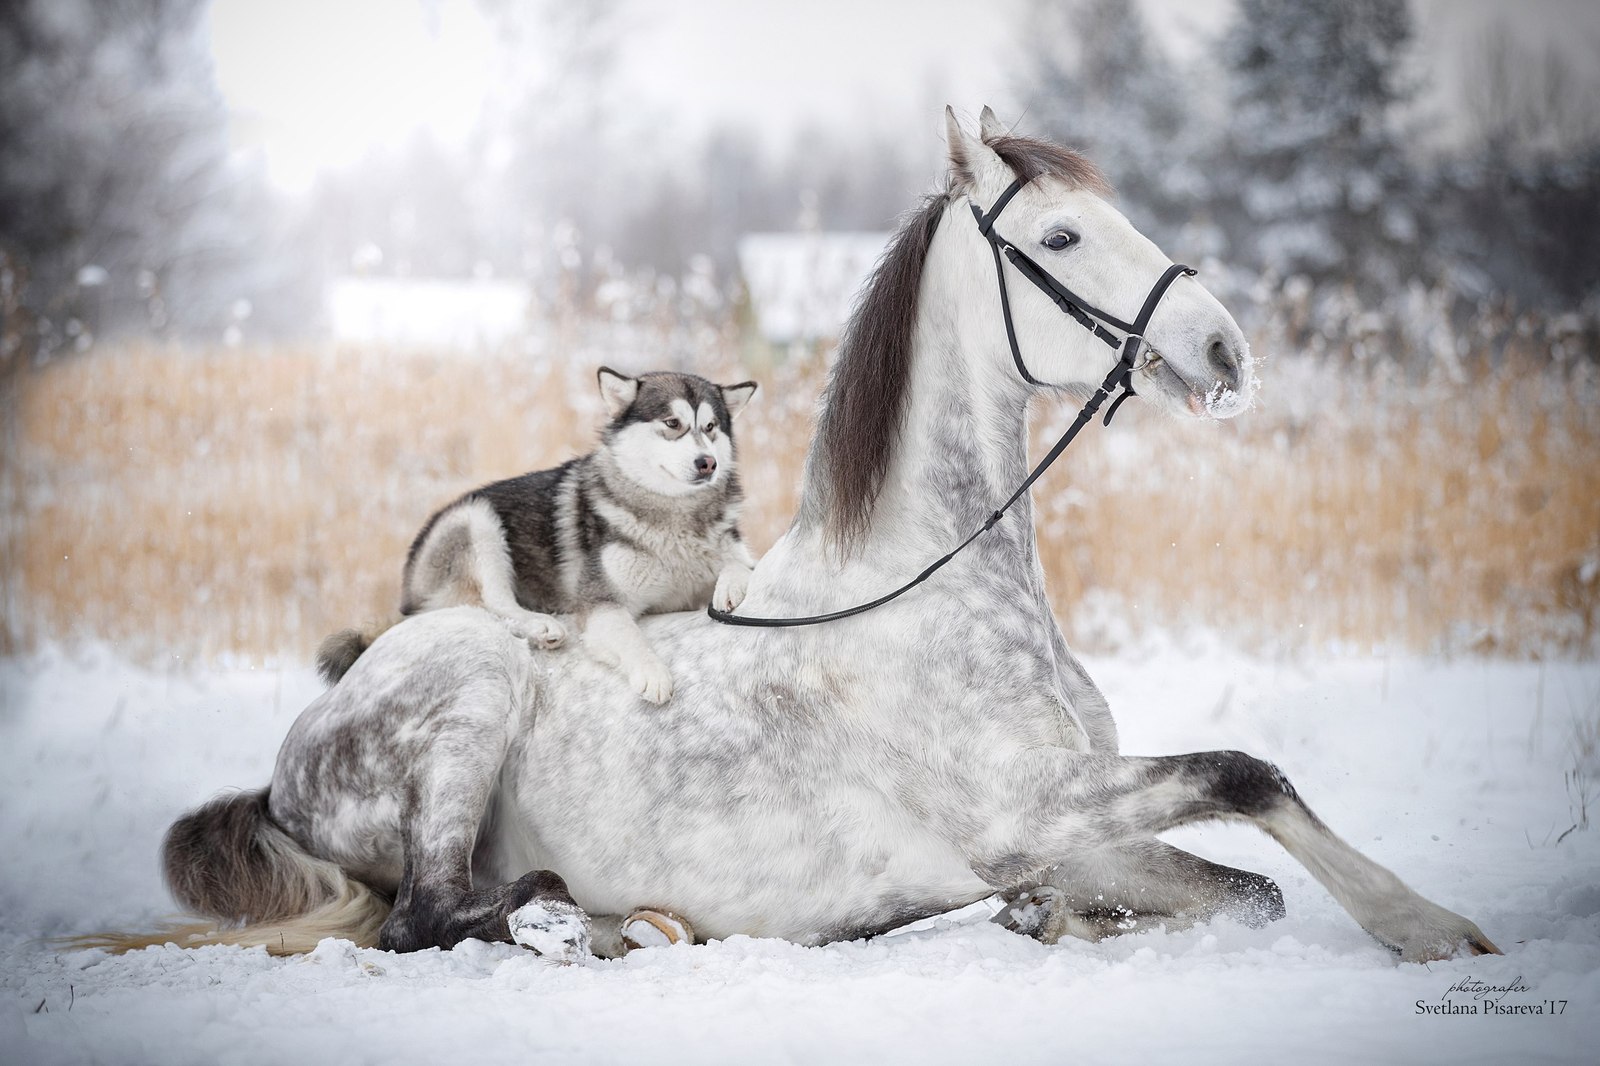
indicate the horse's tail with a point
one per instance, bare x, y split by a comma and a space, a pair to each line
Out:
229, 862
339, 652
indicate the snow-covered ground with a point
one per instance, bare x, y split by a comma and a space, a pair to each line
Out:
1450, 773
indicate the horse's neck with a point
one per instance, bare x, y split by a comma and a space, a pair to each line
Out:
961, 452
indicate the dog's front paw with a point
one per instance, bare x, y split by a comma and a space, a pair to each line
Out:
732, 585
651, 679
540, 630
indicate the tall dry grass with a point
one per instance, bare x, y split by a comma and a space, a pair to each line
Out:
205, 503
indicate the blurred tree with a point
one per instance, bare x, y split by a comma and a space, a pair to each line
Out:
118, 210
566, 141
1518, 206
401, 212
1100, 84
1318, 180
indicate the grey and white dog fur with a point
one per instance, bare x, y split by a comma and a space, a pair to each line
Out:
827, 782
647, 522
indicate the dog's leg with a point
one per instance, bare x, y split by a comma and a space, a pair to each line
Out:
613, 638
733, 581
464, 560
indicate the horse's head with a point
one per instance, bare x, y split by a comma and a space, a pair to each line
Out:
1197, 361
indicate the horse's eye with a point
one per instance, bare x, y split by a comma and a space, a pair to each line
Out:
1058, 240
672, 423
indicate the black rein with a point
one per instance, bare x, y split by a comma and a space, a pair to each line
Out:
1080, 311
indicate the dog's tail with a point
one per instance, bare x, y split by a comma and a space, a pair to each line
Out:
229, 862
339, 652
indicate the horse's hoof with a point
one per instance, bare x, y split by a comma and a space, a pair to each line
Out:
1030, 914
1434, 934
1482, 945
551, 928
655, 929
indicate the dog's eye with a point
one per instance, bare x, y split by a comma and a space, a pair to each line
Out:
711, 427
672, 423
1058, 240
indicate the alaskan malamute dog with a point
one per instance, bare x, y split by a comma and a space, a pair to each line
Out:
648, 521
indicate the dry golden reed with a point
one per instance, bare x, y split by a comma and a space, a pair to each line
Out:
200, 504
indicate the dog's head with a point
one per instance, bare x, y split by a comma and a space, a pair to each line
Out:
672, 433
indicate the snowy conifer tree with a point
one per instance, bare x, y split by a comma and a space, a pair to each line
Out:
1098, 82
118, 209
1321, 181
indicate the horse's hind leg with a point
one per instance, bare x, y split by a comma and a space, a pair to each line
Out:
448, 792
1083, 802
437, 906
1126, 888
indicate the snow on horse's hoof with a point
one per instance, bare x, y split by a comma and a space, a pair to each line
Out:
551, 928
655, 929
1029, 914
1046, 915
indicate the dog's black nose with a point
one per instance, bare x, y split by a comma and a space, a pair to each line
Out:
705, 465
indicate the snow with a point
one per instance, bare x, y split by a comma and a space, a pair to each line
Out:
1453, 773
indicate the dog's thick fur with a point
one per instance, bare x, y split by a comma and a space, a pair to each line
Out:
646, 522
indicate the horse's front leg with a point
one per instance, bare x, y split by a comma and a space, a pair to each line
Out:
1071, 803
1127, 887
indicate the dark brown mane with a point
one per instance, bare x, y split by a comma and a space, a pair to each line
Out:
863, 407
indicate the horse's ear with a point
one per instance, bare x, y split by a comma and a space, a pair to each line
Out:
618, 390
973, 164
990, 127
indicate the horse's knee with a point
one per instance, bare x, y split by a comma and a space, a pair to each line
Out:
1234, 783
1256, 899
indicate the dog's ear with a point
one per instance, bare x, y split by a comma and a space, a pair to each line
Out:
736, 396
618, 390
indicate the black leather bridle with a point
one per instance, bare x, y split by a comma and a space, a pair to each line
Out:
1074, 307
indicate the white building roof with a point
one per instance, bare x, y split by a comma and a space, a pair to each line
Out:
802, 284
458, 314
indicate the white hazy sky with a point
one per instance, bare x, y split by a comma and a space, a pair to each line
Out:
317, 83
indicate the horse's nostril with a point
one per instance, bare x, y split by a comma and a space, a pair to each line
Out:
1224, 358
1222, 355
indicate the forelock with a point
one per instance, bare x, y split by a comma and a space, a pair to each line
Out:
1029, 158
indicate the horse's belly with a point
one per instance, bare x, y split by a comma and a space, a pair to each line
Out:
840, 870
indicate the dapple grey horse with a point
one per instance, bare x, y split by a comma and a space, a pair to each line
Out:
816, 783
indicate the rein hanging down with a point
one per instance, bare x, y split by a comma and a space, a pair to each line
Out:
1074, 307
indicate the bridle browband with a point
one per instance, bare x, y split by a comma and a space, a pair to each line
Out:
1074, 307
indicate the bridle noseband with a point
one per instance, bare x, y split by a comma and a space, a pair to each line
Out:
1074, 307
